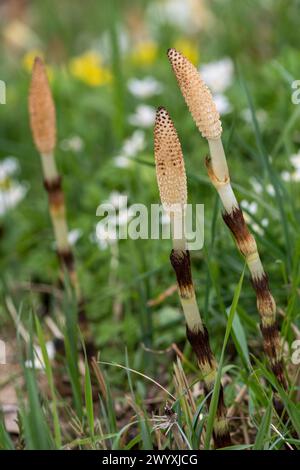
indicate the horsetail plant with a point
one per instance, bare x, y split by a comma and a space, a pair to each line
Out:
203, 110
171, 178
43, 126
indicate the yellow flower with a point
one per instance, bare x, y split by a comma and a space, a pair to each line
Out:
144, 53
5, 184
29, 57
188, 49
28, 61
89, 69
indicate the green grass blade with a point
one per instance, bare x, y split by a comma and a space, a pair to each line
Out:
89, 399
49, 375
240, 340
5, 440
216, 391
263, 433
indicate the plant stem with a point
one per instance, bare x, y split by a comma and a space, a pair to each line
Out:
172, 185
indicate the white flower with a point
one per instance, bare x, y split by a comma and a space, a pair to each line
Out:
265, 222
131, 147
222, 103
218, 75
295, 160
121, 162
256, 185
107, 228
260, 114
117, 200
106, 235
244, 204
74, 235
38, 357
270, 190
144, 88
144, 116
286, 176
134, 144
296, 175
177, 13
11, 196
73, 144
251, 207
8, 167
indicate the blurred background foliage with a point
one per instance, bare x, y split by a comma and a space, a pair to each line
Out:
94, 50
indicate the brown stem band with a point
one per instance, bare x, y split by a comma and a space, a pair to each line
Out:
200, 344
271, 339
55, 193
265, 302
236, 223
181, 263
223, 439
67, 260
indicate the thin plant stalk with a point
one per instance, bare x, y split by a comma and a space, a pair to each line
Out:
171, 178
43, 126
203, 110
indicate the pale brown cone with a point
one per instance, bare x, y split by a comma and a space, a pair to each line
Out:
41, 109
197, 96
170, 171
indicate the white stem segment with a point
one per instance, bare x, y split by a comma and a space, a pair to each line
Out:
57, 211
61, 231
49, 166
222, 185
218, 159
178, 230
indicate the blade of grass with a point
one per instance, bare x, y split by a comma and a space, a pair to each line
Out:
5, 440
263, 433
89, 399
139, 373
240, 340
37, 434
216, 391
49, 375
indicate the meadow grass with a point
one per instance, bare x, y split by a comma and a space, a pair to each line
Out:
142, 390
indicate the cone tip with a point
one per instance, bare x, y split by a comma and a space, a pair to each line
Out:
171, 51
38, 62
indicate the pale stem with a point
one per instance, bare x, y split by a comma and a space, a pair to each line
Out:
61, 232
227, 197
178, 230
49, 166
218, 159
